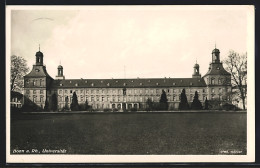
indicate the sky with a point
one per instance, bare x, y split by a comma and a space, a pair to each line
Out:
93, 42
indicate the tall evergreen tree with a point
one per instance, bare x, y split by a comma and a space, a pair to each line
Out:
46, 106
86, 105
54, 102
206, 104
163, 101
184, 105
74, 106
196, 104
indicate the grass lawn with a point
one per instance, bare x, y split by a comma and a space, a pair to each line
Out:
131, 133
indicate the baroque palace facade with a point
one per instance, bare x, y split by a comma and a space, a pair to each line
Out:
39, 86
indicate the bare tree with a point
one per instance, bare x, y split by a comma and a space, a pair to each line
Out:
18, 69
237, 65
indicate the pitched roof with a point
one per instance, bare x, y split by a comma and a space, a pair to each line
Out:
129, 83
38, 71
216, 69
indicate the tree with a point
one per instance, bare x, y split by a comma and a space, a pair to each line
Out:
74, 106
18, 70
196, 104
46, 106
184, 105
163, 101
54, 102
149, 104
237, 65
86, 105
206, 104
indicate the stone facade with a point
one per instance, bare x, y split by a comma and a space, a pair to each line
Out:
39, 86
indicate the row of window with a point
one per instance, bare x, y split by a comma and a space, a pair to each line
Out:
36, 82
129, 91
119, 99
215, 81
34, 91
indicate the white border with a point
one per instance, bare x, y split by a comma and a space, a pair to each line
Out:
250, 157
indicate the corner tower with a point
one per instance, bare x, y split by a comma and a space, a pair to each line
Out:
37, 83
217, 79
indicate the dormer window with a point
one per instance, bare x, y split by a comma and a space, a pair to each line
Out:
191, 83
108, 84
76, 84
70, 81
86, 81
132, 81
124, 84
101, 81
61, 84
116, 81
141, 83
92, 84
174, 84
149, 81
157, 84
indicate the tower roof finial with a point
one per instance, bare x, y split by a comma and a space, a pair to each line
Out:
39, 47
215, 45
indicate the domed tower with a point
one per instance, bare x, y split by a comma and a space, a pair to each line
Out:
37, 83
60, 73
196, 73
215, 56
39, 57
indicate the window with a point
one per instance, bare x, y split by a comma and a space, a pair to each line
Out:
220, 90
70, 91
135, 91
191, 97
34, 99
60, 91
212, 81
92, 98
34, 83
41, 91
97, 98
212, 90
173, 98
102, 98
66, 91
212, 96
28, 91
203, 90
146, 91
219, 81
81, 98
81, 91
34, 91
41, 99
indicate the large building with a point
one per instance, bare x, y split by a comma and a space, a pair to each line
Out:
122, 94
